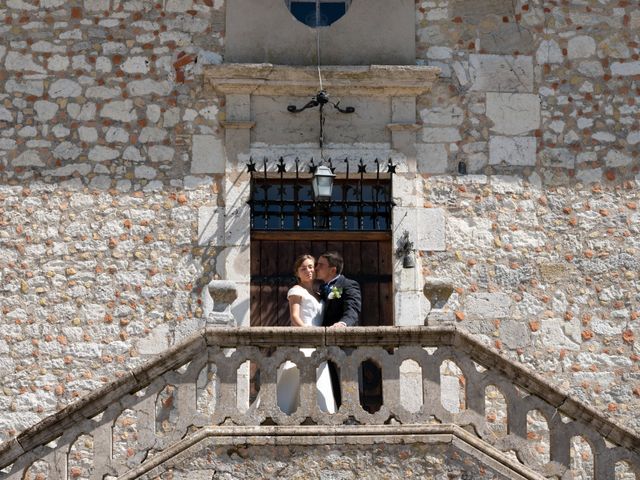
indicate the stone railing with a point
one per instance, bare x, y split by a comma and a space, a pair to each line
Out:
201, 388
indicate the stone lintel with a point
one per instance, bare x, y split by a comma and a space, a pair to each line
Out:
267, 79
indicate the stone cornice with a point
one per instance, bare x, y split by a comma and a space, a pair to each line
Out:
269, 80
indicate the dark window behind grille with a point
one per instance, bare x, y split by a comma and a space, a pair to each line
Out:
287, 204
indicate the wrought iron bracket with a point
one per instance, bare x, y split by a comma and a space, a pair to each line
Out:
320, 99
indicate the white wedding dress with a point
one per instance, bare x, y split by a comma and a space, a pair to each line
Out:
288, 386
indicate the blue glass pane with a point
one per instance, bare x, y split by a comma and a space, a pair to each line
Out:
288, 205
329, 12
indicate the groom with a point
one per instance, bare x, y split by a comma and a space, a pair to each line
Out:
342, 304
341, 295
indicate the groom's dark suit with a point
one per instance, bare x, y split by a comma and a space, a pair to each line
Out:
347, 307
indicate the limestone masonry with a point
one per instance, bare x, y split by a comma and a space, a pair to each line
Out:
112, 160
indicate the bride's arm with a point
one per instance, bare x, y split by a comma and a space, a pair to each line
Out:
294, 309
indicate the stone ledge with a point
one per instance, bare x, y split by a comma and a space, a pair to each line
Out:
267, 79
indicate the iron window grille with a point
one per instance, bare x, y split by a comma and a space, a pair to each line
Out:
283, 201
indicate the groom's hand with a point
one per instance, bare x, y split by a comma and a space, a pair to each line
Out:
339, 325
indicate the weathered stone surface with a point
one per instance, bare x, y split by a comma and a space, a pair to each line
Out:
581, 46
122, 111
549, 52
615, 158
432, 158
45, 110
488, 306
22, 63
28, 159
558, 157
64, 88
625, 69
499, 73
100, 153
513, 113
518, 151
67, 151
440, 135
450, 115
207, 154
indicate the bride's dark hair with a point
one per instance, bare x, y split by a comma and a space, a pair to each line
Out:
299, 261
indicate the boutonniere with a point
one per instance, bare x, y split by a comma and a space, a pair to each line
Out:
334, 293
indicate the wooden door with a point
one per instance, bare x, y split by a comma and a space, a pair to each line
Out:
367, 259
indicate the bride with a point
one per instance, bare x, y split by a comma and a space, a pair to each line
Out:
305, 310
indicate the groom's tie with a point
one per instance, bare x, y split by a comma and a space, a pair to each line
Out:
324, 291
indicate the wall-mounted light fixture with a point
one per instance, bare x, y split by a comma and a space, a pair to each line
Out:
405, 251
322, 183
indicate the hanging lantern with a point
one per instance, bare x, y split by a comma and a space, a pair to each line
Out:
322, 184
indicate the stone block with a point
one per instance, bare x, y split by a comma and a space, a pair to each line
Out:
500, 73
515, 334
411, 308
441, 135
431, 230
558, 158
407, 190
207, 155
101, 154
581, 46
403, 109
45, 110
210, 226
592, 69
122, 111
448, 115
592, 175
139, 88
507, 38
487, 306
552, 333
549, 52
426, 227
616, 158
29, 158
233, 263
462, 232
97, 5
22, 63
472, 8
156, 342
517, 151
625, 69
513, 113
432, 158
64, 88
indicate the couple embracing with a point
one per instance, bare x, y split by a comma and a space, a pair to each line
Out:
336, 304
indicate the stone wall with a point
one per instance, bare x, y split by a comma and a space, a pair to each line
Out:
538, 99
102, 172
105, 163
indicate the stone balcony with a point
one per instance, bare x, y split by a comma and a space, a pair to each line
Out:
449, 402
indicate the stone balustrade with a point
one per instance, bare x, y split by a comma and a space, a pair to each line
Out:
200, 388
